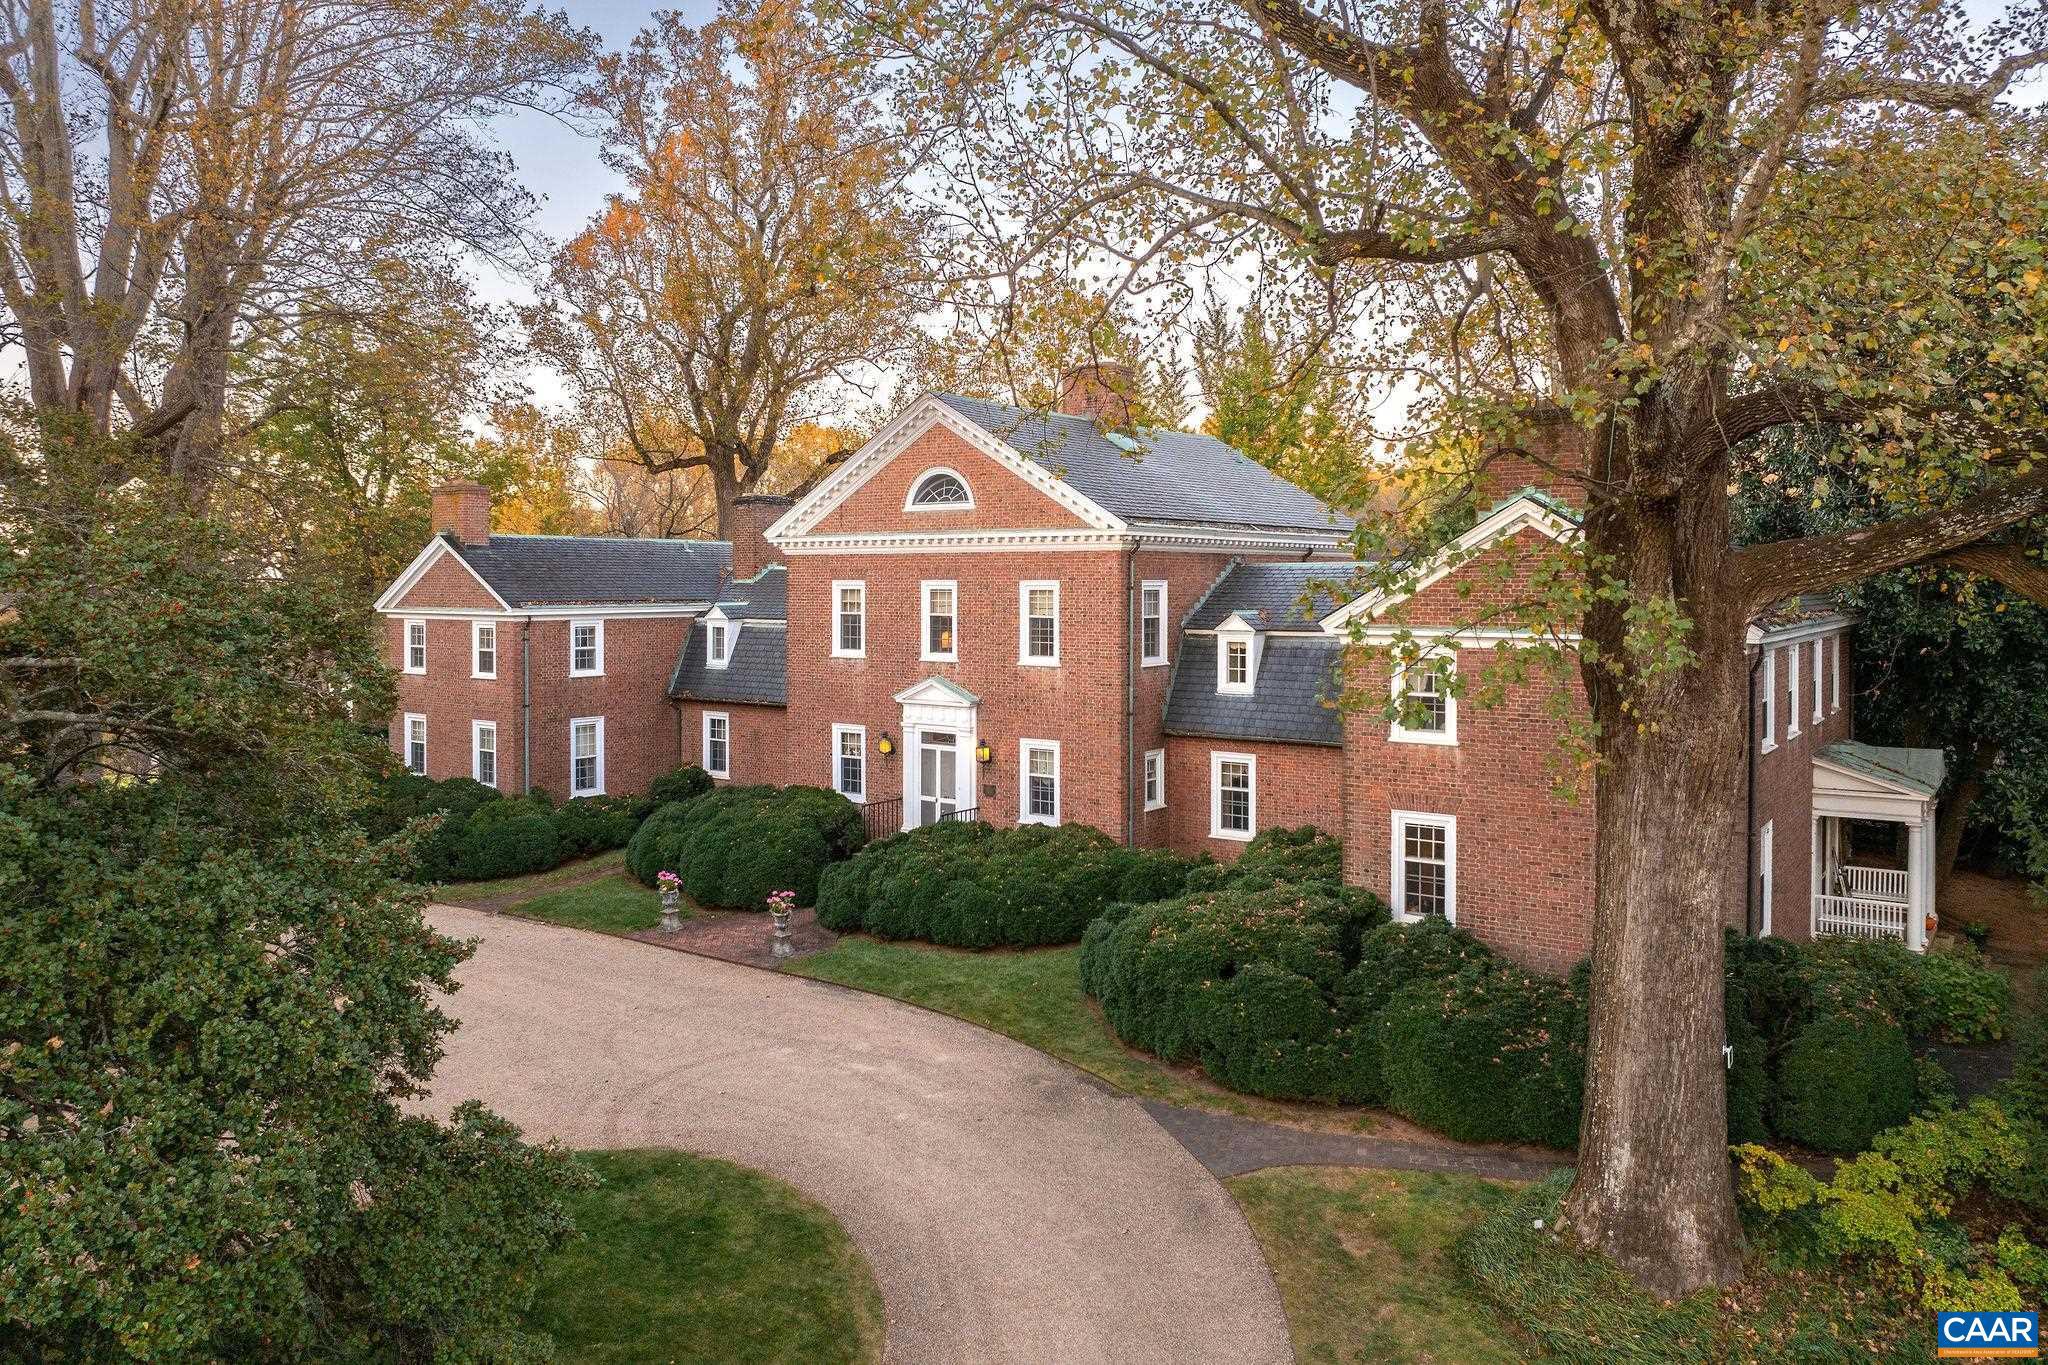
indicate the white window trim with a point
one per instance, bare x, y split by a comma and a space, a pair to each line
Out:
1217, 758
925, 652
719, 621
839, 732
1792, 730
476, 752
1224, 686
838, 650
1401, 734
598, 670
911, 504
1770, 741
405, 648
597, 790
476, 635
1154, 757
1024, 815
1835, 652
1398, 848
704, 742
405, 753
1165, 649
1024, 656
1820, 710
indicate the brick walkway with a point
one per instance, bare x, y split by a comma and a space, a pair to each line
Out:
743, 936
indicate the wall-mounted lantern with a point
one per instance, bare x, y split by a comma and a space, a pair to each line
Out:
982, 753
885, 745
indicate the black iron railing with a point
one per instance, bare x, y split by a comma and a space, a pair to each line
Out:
884, 818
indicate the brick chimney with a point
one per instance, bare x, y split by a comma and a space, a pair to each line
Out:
752, 515
465, 509
1101, 390
1558, 449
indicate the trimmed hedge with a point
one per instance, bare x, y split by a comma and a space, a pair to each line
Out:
1843, 1081
735, 845
484, 835
965, 884
686, 783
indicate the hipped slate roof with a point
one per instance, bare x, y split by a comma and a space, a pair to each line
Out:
1917, 770
1295, 674
1276, 596
1172, 476
756, 675
575, 571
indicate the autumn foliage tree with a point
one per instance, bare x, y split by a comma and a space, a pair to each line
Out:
1656, 232
759, 272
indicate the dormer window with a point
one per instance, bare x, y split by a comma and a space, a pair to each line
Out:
1237, 658
938, 489
718, 638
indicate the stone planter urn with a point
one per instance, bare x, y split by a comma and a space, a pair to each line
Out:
781, 905
671, 892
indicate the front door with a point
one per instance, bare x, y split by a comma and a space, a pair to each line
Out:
938, 775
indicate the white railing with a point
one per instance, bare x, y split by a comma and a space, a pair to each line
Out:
1859, 917
1875, 883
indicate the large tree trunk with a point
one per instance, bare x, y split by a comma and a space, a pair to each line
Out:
1653, 1190
1952, 820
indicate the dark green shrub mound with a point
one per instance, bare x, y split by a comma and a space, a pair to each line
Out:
1490, 1053
735, 845
509, 847
402, 797
686, 783
1248, 982
968, 885
1842, 1081
593, 824
1273, 857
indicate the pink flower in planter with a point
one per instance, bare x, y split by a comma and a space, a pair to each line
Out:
781, 902
668, 881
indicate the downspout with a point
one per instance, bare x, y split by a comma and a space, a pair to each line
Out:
526, 707
1131, 693
1752, 918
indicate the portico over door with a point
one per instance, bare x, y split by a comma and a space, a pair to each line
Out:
940, 721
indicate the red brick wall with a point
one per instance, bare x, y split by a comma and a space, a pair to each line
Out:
1293, 785
632, 696
1002, 500
1524, 878
1481, 584
1187, 578
449, 583
1784, 788
760, 752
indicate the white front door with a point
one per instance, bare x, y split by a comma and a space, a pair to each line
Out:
938, 776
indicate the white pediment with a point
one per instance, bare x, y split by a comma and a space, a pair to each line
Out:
937, 692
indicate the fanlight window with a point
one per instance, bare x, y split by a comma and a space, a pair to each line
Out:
940, 490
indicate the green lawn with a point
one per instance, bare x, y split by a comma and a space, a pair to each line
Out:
685, 1258
510, 889
1035, 997
613, 905
1362, 1259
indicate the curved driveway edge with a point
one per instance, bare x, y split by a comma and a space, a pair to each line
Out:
1011, 1209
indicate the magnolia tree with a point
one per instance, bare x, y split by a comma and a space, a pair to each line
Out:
1650, 232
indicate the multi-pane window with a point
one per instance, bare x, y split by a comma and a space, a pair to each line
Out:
1039, 609
850, 761
586, 756
1770, 739
1233, 808
1152, 623
415, 646
1792, 692
941, 488
416, 743
715, 644
850, 631
940, 619
1426, 713
717, 744
1819, 707
483, 639
484, 752
1237, 662
586, 648
1155, 778
1041, 783
1425, 865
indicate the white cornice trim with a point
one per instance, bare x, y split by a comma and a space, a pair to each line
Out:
1510, 519
388, 601
1047, 539
920, 417
582, 613
1812, 628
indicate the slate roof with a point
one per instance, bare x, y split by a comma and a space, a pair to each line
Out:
1918, 770
1276, 596
757, 674
1295, 674
764, 597
577, 571
1172, 476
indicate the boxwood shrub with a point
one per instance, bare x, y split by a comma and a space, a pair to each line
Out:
965, 884
1842, 1081
473, 843
686, 783
1275, 857
733, 846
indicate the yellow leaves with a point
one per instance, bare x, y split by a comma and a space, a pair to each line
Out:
1784, 345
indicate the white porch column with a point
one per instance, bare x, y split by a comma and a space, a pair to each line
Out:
1919, 882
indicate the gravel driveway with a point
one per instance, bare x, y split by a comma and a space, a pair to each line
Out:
1012, 1208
